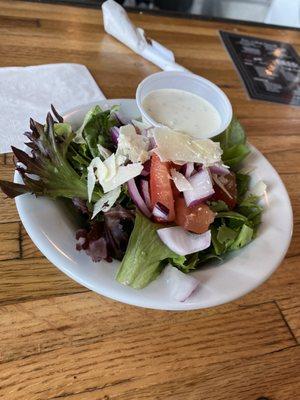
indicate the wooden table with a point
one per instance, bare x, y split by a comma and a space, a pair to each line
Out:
60, 341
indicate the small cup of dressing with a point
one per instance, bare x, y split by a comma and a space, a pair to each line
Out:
184, 102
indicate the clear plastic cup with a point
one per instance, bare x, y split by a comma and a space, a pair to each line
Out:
191, 83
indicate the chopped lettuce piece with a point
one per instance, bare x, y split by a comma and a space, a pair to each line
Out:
235, 154
226, 235
231, 215
252, 210
79, 157
219, 248
242, 183
95, 130
185, 263
244, 237
207, 256
233, 135
233, 143
62, 128
218, 206
145, 253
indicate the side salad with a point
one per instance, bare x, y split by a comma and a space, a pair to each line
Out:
153, 198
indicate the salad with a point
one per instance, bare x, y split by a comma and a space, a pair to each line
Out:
153, 198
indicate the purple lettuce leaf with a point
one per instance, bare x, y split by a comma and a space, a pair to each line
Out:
108, 238
54, 176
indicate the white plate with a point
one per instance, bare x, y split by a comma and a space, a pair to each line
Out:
52, 230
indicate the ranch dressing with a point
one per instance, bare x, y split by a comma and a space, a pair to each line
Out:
182, 111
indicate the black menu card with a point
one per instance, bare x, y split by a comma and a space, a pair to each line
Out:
270, 69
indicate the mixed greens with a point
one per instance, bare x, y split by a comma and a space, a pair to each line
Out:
138, 204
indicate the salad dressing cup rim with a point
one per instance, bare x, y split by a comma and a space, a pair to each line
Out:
164, 76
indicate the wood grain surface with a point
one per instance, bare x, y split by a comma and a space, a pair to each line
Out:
60, 341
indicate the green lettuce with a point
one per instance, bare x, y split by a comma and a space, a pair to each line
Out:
95, 129
55, 175
233, 143
145, 255
233, 229
218, 206
242, 182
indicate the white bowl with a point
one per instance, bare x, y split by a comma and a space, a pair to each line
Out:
52, 228
191, 83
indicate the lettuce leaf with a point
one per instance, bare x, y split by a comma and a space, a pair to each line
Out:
232, 230
244, 237
234, 155
233, 143
95, 130
145, 256
242, 183
218, 206
185, 263
226, 235
54, 174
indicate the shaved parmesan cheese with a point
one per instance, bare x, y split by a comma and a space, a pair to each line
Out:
259, 189
176, 146
107, 201
131, 145
105, 153
110, 174
123, 174
92, 169
91, 181
100, 170
120, 160
110, 164
180, 181
141, 126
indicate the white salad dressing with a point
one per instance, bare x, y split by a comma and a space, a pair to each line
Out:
182, 111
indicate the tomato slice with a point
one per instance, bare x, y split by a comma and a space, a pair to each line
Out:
160, 186
196, 218
229, 183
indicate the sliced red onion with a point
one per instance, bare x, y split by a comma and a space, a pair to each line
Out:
183, 242
180, 285
114, 133
152, 143
121, 119
137, 198
145, 173
219, 169
188, 169
198, 167
160, 211
145, 191
202, 188
146, 169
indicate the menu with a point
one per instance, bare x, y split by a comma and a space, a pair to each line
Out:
270, 69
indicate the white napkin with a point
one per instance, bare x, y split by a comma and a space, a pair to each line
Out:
118, 24
28, 92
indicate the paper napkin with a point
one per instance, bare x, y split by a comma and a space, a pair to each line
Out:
29, 91
118, 24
